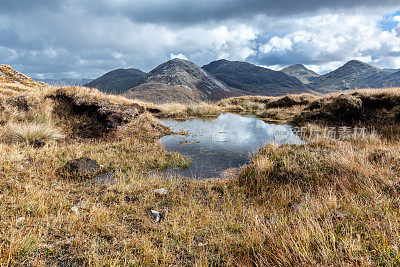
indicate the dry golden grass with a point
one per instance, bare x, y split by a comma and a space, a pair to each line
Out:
184, 111
329, 203
325, 203
28, 133
9, 75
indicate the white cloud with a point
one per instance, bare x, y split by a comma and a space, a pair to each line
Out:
327, 41
180, 56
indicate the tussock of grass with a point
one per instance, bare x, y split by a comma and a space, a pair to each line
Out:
327, 202
177, 110
30, 133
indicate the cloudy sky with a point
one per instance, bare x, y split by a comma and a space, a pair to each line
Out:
86, 38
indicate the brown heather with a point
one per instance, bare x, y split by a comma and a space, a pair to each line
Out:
326, 203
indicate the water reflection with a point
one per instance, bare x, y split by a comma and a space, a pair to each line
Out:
222, 143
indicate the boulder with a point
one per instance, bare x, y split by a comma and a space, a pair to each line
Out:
83, 168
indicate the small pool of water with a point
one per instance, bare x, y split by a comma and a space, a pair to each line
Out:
228, 141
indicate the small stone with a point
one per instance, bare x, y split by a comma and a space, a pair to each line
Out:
160, 192
75, 209
20, 220
155, 215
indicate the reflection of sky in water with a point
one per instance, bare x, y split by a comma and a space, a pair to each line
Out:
226, 142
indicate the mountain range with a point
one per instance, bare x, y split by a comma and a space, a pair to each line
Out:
181, 81
355, 75
254, 79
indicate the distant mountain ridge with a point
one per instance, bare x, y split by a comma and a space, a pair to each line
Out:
181, 81
117, 81
65, 81
254, 79
354, 75
300, 72
184, 81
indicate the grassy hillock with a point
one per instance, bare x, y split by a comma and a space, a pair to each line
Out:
330, 202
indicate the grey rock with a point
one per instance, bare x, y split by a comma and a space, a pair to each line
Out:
80, 168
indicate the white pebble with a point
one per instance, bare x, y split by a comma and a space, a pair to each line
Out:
155, 215
20, 220
160, 192
75, 209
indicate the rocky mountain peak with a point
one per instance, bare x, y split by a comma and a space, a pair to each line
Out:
300, 72
181, 80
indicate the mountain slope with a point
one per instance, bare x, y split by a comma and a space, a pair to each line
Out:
254, 79
65, 81
354, 75
117, 81
180, 81
9, 75
300, 72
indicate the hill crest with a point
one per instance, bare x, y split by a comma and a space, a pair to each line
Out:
9, 75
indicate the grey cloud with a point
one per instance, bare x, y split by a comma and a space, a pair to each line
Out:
21, 6
197, 11
94, 36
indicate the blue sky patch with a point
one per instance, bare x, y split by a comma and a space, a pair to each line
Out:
388, 23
